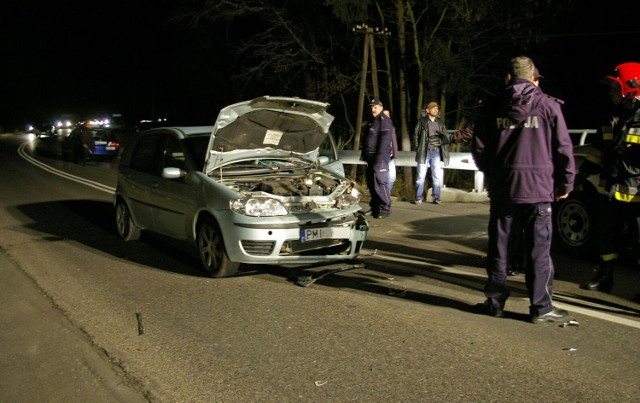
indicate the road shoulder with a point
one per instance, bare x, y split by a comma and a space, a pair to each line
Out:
44, 357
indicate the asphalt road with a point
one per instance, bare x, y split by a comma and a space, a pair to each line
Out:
89, 317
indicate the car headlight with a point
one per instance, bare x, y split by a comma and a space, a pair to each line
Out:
258, 207
348, 198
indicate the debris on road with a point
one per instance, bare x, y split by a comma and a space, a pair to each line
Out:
306, 280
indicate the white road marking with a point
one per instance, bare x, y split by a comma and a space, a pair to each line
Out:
78, 179
594, 313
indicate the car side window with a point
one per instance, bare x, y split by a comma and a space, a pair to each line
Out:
144, 156
197, 147
173, 155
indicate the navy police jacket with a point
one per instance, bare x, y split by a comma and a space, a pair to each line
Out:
522, 144
377, 143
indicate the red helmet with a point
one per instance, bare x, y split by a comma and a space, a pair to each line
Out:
628, 78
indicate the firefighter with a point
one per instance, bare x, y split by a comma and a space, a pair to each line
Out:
616, 158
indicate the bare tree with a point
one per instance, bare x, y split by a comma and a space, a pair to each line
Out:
449, 50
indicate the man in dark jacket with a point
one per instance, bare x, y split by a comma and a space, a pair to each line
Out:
431, 142
522, 145
376, 152
86, 144
428, 142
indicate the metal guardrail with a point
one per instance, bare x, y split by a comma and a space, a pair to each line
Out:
458, 160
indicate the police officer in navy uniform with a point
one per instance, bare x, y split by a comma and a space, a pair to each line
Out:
615, 156
522, 145
376, 152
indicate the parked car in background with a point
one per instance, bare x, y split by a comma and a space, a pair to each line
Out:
107, 144
262, 186
44, 129
574, 217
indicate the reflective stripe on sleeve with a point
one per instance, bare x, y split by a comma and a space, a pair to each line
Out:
594, 156
633, 136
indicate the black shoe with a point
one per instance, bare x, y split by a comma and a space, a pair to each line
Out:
515, 268
496, 312
553, 315
602, 281
436, 201
381, 216
491, 310
513, 272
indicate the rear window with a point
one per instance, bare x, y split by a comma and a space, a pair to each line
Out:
104, 135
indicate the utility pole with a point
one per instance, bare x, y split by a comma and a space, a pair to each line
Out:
369, 52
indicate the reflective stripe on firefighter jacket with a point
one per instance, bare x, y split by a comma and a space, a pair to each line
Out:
621, 173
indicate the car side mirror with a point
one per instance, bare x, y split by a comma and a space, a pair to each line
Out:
173, 173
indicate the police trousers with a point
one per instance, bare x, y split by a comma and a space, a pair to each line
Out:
535, 222
377, 177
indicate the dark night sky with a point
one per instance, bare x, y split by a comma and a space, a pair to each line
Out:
107, 56
83, 57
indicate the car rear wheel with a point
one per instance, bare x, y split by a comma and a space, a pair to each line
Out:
574, 225
212, 252
126, 228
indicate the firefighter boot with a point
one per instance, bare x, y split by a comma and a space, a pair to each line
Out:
602, 281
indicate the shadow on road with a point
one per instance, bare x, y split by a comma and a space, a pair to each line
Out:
92, 223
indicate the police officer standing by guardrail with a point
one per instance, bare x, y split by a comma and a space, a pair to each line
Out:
376, 152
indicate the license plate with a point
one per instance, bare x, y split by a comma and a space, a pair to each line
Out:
111, 148
311, 234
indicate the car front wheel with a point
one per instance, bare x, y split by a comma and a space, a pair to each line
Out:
126, 228
574, 225
212, 252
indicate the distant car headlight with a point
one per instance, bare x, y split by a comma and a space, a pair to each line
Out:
258, 207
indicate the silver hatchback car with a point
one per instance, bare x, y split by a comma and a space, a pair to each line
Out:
264, 185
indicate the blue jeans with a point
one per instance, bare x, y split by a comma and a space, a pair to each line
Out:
437, 175
392, 175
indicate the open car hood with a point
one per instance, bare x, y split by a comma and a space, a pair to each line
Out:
268, 127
